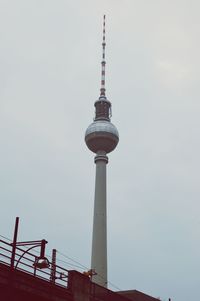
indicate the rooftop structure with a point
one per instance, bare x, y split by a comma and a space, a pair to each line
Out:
23, 277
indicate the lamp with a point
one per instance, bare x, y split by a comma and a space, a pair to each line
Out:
41, 262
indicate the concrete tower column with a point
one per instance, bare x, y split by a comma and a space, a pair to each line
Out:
99, 238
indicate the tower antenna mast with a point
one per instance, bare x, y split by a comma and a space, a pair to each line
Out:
103, 62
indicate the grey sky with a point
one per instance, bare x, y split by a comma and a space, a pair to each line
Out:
50, 53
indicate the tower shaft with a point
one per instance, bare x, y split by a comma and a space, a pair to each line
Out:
99, 239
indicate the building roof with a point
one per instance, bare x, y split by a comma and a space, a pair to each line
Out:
135, 295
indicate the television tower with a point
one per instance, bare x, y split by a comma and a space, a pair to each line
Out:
101, 138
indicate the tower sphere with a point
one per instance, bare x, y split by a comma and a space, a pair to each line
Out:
101, 135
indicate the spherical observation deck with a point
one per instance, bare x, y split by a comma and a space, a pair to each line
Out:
101, 135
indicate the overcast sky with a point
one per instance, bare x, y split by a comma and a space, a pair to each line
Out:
50, 54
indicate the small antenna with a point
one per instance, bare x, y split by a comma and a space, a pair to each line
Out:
103, 63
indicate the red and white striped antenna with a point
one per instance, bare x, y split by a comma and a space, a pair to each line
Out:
103, 63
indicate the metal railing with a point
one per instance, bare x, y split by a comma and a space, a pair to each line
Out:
25, 261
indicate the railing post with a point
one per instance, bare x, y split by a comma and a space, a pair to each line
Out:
53, 266
12, 262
